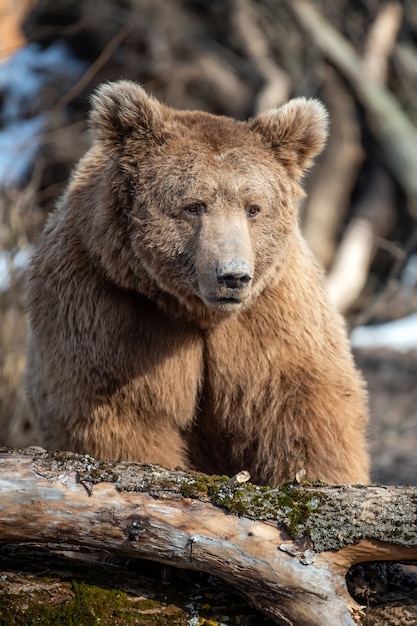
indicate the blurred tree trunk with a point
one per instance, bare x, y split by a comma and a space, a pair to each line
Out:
395, 131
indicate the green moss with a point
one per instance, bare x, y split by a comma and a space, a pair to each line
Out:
89, 606
299, 506
156, 595
201, 486
292, 506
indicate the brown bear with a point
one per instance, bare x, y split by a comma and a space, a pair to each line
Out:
176, 314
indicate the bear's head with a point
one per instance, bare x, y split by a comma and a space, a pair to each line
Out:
209, 203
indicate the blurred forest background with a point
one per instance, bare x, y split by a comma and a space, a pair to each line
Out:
237, 58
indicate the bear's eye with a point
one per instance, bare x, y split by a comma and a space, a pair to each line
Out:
253, 210
195, 208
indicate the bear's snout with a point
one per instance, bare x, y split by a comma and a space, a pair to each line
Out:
234, 275
225, 260
228, 285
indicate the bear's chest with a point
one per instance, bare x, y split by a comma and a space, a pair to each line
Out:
242, 367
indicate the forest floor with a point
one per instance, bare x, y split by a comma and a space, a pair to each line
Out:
392, 385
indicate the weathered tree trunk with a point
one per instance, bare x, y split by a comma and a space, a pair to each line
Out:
287, 549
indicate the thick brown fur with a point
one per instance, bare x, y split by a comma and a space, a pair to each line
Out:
177, 315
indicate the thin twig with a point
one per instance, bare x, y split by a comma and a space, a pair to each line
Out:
277, 87
88, 76
381, 41
391, 284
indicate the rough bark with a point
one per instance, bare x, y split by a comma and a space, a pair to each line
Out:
286, 549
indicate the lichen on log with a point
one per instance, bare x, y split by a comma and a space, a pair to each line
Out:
286, 548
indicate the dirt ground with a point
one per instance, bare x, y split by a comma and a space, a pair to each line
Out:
392, 385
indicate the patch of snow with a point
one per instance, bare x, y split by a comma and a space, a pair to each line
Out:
12, 264
400, 335
28, 71
19, 144
409, 273
23, 77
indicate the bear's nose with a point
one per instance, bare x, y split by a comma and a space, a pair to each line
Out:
234, 275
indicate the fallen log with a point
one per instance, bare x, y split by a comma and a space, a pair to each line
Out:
287, 549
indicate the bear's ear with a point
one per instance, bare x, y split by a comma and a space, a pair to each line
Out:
122, 109
296, 132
